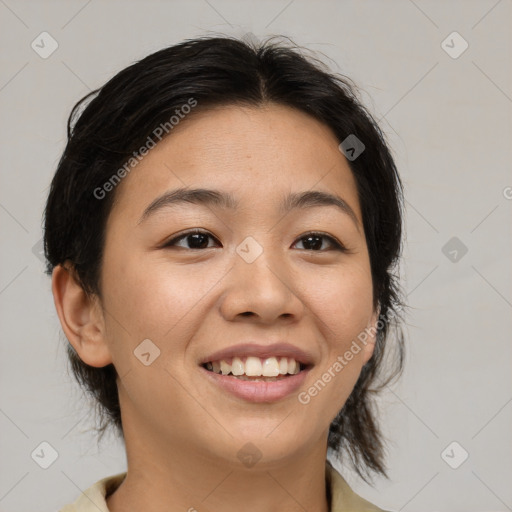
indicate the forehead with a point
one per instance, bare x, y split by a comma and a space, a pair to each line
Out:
256, 153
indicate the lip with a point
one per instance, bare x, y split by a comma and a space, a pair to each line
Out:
258, 392
263, 351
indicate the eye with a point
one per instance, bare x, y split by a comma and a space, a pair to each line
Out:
197, 239
313, 242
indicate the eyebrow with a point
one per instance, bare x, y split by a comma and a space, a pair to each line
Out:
225, 200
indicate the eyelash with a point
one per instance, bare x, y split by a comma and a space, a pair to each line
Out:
337, 245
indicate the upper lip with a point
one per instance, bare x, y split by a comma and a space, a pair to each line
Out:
263, 351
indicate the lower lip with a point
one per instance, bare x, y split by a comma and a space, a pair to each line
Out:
258, 391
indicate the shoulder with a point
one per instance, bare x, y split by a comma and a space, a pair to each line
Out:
343, 498
93, 499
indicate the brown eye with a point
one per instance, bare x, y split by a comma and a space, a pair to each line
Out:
193, 240
315, 241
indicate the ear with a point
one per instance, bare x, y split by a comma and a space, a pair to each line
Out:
81, 318
371, 330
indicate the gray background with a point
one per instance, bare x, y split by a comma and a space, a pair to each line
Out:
448, 121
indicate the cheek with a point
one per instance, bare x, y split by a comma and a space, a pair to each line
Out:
164, 304
342, 298
343, 304
151, 298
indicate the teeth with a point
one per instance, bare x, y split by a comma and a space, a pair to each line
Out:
292, 366
270, 367
263, 379
255, 367
225, 368
237, 366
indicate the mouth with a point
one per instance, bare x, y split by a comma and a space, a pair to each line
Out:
256, 369
255, 379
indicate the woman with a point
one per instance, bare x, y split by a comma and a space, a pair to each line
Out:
222, 233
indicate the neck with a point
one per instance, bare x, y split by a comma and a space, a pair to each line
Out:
182, 477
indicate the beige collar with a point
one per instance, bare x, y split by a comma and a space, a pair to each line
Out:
342, 498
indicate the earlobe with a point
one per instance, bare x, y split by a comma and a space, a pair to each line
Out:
80, 317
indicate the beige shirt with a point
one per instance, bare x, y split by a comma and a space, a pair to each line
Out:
343, 499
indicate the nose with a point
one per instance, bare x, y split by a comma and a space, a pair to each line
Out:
263, 290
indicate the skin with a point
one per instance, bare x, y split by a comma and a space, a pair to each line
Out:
183, 433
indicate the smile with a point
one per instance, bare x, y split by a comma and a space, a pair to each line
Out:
252, 385
249, 367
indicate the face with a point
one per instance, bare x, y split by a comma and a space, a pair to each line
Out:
257, 273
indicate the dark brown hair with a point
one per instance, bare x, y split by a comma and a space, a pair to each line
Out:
109, 125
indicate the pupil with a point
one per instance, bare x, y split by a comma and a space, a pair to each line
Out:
197, 239
316, 245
